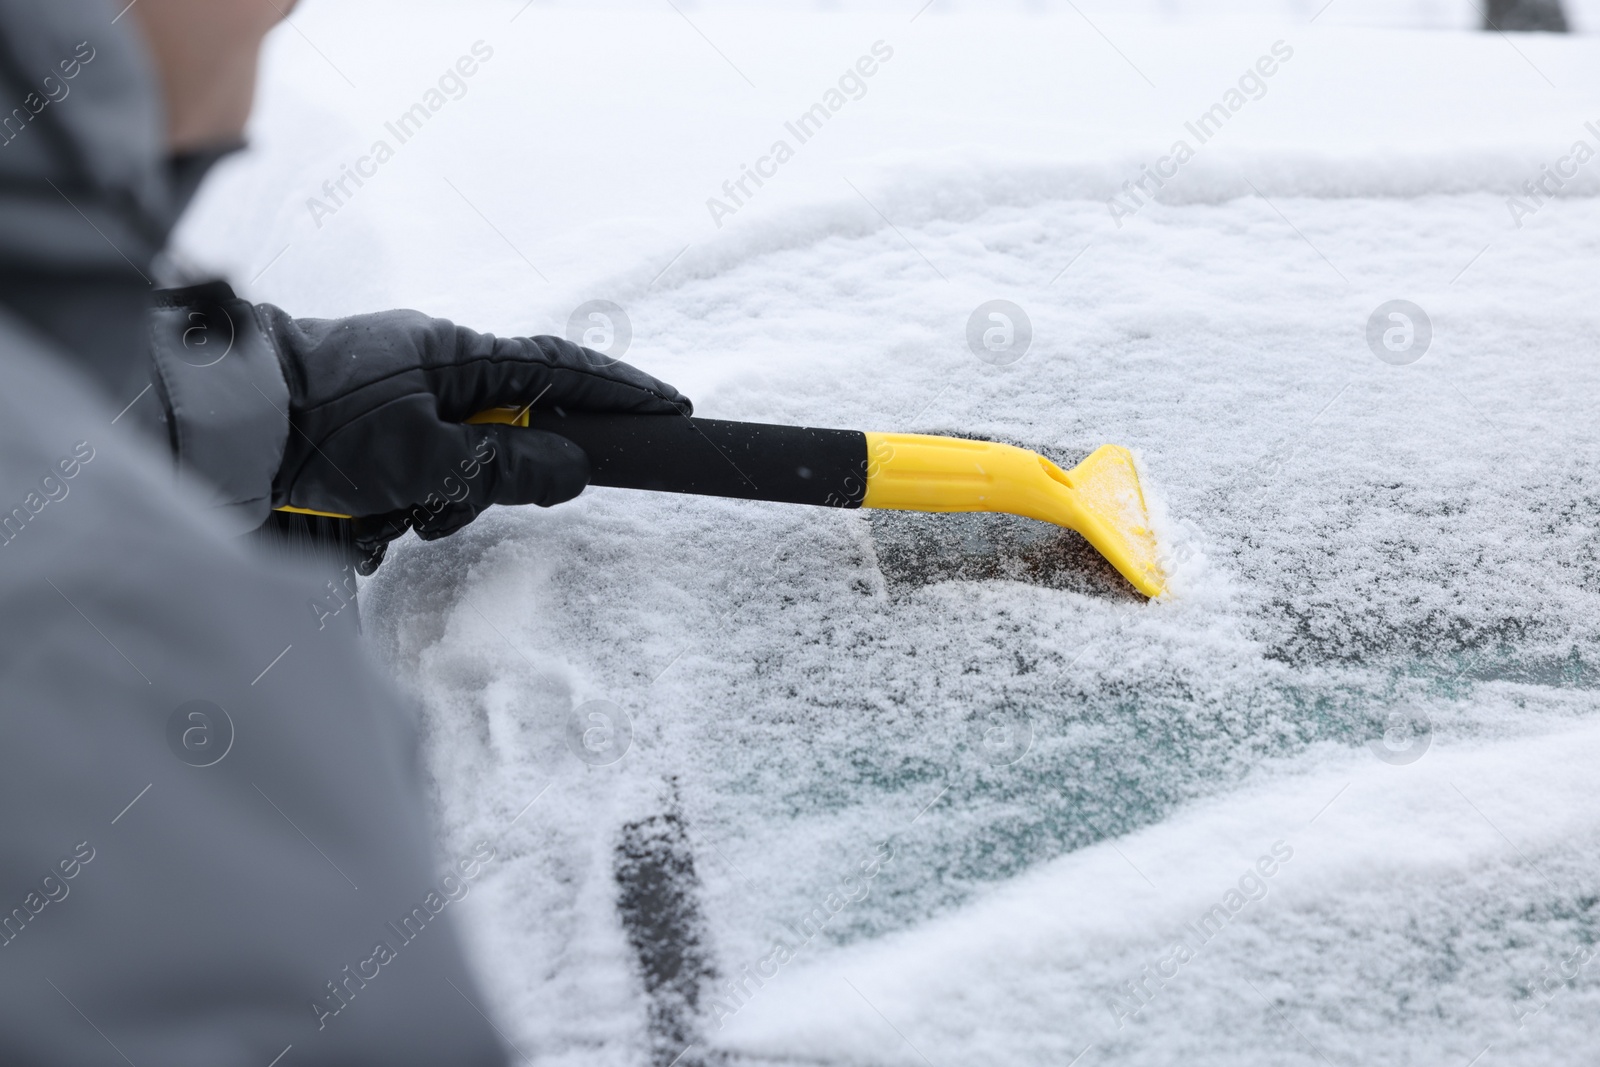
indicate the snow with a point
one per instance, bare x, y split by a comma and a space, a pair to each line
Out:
1065, 773
1061, 943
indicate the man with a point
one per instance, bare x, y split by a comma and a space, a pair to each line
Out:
213, 849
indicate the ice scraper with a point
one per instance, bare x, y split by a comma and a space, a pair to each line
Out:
1100, 498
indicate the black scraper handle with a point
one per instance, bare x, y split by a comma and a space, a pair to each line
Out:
711, 457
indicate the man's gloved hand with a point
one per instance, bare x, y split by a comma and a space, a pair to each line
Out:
378, 406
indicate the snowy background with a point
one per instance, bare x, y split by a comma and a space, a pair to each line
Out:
1379, 654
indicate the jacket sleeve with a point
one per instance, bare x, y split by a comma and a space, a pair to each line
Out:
222, 385
214, 850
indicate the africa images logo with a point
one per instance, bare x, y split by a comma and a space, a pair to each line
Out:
452, 888
53, 488
452, 85
852, 85
55, 89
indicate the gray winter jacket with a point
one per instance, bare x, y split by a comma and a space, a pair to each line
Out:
213, 849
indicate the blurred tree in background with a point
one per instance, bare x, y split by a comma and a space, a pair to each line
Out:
1528, 16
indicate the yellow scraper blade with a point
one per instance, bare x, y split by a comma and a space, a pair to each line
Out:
1100, 497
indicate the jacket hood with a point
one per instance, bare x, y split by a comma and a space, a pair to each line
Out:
81, 141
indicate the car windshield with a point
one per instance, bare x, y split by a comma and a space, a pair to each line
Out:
953, 765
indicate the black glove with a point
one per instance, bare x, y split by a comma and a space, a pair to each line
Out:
377, 406
364, 416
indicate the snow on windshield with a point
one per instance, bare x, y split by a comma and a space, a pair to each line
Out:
976, 788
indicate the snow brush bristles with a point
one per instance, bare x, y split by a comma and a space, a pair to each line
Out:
1100, 498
